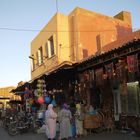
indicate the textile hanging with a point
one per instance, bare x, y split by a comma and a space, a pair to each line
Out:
86, 76
121, 70
132, 62
109, 70
115, 82
81, 78
99, 76
91, 78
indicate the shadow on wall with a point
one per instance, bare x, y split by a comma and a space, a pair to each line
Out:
123, 31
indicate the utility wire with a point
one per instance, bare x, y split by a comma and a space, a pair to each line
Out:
35, 30
16, 29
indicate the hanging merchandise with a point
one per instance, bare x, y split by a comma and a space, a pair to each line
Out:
99, 76
91, 78
109, 70
79, 87
33, 108
30, 101
26, 90
44, 88
26, 93
132, 62
123, 88
41, 88
115, 82
47, 99
76, 87
81, 77
39, 91
86, 76
53, 101
121, 70
40, 100
27, 104
35, 92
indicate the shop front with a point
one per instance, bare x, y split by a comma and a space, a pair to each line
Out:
111, 82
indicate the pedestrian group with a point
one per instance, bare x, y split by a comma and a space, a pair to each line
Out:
62, 123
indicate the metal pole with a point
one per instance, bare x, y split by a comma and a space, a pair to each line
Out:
56, 6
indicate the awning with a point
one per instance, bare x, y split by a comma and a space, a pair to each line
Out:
64, 65
20, 89
15, 102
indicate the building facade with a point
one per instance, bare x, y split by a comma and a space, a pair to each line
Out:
67, 39
5, 96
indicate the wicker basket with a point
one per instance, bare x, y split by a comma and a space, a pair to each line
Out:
91, 121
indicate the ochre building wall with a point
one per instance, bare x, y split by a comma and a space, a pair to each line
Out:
78, 35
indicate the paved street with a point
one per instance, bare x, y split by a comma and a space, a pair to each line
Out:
100, 136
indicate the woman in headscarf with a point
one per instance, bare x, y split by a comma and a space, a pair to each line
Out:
79, 118
50, 117
65, 126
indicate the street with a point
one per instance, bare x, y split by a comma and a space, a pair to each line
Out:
95, 136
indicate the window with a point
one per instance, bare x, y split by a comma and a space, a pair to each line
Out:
36, 59
32, 64
40, 56
50, 47
46, 48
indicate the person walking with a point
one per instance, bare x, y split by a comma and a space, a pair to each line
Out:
50, 119
65, 126
79, 118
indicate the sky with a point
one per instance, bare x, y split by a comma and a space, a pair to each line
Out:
21, 21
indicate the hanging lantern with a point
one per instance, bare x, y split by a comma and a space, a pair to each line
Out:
47, 99
39, 85
39, 91
41, 100
39, 81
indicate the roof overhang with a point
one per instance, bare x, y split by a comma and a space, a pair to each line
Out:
66, 65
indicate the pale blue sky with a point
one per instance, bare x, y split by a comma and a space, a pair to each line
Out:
33, 15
